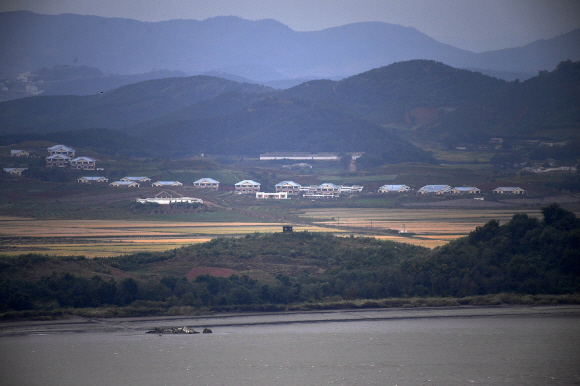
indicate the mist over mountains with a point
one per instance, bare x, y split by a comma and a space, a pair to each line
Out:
262, 51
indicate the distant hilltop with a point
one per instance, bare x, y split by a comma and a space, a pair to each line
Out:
263, 50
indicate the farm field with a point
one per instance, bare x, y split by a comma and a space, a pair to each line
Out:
98, 238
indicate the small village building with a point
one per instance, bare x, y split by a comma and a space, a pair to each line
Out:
394, 189
167, 183
299, 156
509, 190
15, 171
61, 150
465, 190
325, 190
247, 187
434, 189
57, 160
289, 187
207, 183
350, 189
164, 198
126, 184
90, 180
84, 163
19, 153
136, 179
272, 196
287, 229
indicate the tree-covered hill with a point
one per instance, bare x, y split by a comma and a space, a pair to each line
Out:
549, 101
388, 94
119, 108
276, 123
523, 256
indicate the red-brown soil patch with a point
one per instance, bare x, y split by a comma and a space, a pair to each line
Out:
424, 114
212, 271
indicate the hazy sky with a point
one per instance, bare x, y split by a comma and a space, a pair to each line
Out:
471, 24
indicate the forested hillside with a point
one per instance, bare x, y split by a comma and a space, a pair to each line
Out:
523, 256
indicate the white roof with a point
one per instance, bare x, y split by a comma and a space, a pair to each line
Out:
8, 170
16, 151
288, 183
123, 182
83, 159
247, 182
168, 182
509, 188
58, 156
465, 188
393, 187
328, 184
136, 178
210, 180
60, 147
435, 188
94, 178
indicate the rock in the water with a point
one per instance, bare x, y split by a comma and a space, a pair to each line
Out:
174, 330
206, 331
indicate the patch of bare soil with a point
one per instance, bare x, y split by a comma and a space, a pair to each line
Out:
212, 271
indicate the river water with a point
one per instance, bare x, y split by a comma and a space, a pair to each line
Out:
450, 346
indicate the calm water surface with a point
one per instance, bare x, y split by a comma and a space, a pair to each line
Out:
513, 346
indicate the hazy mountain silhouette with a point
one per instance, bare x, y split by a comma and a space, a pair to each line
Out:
262, 50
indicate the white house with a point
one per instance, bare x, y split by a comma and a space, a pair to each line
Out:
324, 190
434, 189
394, 189
128, 184
62, 150
167, 183
58, 160
19, 153
88, 180
289, 187
15, 171
247, 187
509, 190
164, 198
136, 179
272, 196
465, 190
207, 183
84, 163
350, 189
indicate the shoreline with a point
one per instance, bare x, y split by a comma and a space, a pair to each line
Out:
142, 324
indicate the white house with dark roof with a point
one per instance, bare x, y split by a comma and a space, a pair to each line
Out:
435, 189
394, 189
57, 160
247, 187
126, 184
509, 190
289, 187
84, 163
89, 180
19, 153
61, 150
136, 179
465, 190
207, 183
167, 183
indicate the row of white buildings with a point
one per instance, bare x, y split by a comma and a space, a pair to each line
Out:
446, 189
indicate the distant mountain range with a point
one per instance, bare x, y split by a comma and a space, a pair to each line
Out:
183, 116
262, 51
